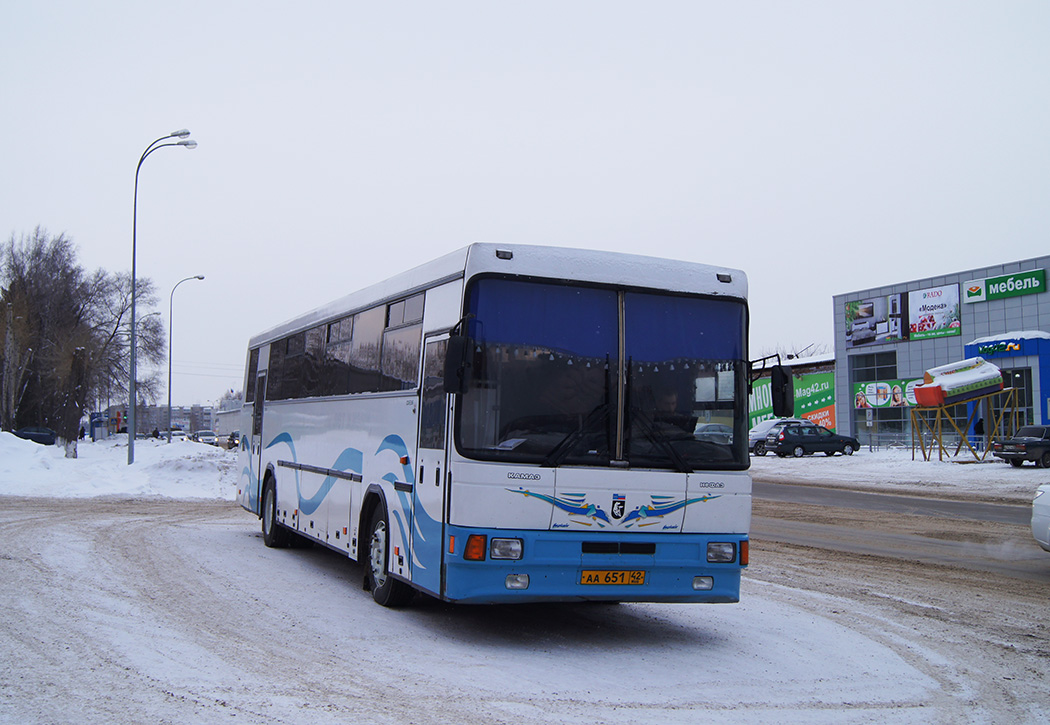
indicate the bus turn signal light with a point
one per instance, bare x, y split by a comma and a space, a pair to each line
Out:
475, 548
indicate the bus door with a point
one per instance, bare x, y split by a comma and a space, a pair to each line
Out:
428, 495
255, 442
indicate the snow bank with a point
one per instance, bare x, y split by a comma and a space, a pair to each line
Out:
181, 469
895, 471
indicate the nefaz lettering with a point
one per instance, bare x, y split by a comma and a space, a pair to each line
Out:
523, 476
709, 484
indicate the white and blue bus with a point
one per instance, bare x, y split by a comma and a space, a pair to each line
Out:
513, 423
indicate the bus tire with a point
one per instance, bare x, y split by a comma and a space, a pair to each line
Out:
386, 590
274, 535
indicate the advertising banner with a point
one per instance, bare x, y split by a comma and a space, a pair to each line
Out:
934, 312
877, 319
1009, 285
885, 394
814, 399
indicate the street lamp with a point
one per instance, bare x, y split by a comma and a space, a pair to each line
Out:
171, 340
190, 144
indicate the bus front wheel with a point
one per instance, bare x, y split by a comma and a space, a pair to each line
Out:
386, 590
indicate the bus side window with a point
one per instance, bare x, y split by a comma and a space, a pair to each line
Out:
364, 350
253, 370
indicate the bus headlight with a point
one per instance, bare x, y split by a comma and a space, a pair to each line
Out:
505, 549
703, 583
721, 552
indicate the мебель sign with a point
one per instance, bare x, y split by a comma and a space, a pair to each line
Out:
1009, 285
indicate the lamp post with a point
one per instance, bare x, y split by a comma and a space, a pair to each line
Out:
171, 339
158, 144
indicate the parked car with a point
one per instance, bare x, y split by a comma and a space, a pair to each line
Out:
800, 439
714, 433
206, 436
1032, 443
756, 437
37, 434
1041, 516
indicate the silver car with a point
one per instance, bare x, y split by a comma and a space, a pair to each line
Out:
206, 436
1041, 516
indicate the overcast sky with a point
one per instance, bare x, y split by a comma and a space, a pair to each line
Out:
822, 147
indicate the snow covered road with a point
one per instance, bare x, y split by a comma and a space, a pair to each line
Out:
163, 610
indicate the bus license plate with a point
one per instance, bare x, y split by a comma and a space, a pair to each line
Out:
612, 577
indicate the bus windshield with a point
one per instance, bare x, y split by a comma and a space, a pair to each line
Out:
576, 375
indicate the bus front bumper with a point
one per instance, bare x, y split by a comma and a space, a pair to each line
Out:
572, 566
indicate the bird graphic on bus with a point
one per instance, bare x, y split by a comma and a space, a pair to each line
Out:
575, 504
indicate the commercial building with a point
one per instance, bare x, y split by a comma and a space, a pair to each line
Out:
887, 337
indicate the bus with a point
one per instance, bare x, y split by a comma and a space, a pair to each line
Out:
513, 423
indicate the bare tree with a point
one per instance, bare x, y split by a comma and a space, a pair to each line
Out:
67, 336
111, 327
791, 352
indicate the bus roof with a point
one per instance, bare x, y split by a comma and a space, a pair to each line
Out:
613, 268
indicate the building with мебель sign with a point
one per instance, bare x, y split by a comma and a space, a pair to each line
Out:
886, 338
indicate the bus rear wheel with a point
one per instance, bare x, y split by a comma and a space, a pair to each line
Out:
274, 535
386, 590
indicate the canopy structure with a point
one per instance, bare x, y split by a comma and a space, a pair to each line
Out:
928, 425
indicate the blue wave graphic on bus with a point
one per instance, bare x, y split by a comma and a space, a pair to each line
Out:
425, 527
575, 504
396, 444
350, 459
250, 477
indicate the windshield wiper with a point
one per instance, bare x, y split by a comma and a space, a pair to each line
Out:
561, 451
660, 442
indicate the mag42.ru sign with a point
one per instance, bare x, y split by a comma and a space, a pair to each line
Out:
814, 399
1009, 285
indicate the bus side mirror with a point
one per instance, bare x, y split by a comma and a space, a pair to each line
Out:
457, 364
783, 390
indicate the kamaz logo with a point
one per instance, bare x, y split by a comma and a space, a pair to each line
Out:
523, 476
